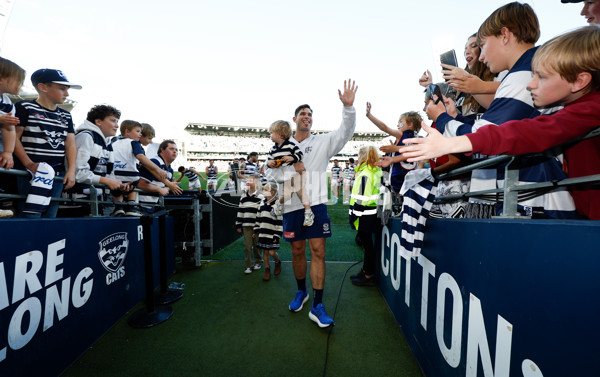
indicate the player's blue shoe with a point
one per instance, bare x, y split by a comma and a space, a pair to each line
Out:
298, 303
318, 315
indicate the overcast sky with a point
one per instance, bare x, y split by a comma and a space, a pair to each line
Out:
249, 63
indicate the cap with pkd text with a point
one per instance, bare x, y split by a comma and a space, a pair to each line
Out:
571, 1
45, 75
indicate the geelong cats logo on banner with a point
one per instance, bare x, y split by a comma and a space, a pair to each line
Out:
113, 250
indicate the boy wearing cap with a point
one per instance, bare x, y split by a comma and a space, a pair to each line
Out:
45, 136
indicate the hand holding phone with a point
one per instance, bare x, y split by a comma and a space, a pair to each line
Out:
449, 57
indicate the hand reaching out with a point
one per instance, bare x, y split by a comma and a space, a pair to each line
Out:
173, 187
388, 148
384, 162
434, 145
426, 79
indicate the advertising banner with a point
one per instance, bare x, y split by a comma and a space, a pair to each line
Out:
64, 283
497, 298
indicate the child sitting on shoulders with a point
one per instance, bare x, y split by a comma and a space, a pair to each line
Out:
127, 151
285, 153
268, 229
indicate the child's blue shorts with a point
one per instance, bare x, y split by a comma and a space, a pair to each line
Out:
293, 230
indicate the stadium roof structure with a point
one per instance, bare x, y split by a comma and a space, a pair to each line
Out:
224, 130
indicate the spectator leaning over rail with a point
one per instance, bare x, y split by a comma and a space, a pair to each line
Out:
507, 39
566, 71
45, 137
167, 153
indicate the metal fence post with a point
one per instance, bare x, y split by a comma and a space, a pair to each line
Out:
94, 198
511, 180
197, 239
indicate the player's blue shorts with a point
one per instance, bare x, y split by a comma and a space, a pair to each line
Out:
293, 230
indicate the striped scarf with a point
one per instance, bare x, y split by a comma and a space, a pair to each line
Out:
419, 191
38, 197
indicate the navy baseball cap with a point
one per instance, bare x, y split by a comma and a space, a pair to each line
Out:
45, 75
571, 1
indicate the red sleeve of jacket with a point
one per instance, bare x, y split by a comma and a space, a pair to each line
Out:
540, 133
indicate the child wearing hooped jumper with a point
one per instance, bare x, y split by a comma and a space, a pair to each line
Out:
246, 220
268, 229
45, 137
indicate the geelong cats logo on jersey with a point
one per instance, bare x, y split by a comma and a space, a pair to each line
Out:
113, 250
55, 138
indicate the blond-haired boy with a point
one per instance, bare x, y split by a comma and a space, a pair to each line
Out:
284, 153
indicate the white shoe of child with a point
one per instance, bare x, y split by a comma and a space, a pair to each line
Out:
309, 217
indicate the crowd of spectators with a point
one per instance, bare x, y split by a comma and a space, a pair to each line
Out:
480, 100
90, 162
214, 144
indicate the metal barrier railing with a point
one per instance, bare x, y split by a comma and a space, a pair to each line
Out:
508, 194
93, 200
